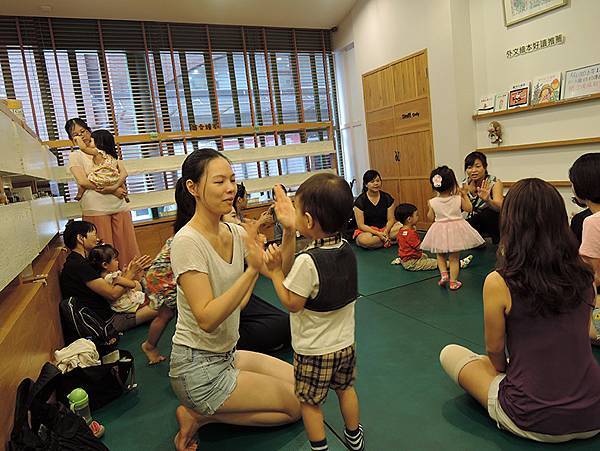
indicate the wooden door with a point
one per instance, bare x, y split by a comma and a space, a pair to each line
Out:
398, 119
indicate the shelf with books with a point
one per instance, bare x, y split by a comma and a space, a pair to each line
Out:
539, 106
540, 145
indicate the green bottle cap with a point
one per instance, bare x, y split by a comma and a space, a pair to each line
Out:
78, 397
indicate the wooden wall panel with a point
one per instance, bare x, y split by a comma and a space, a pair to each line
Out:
415, 150
382, 157
380, 123
405, 82
422, 75
30, 331
412, 115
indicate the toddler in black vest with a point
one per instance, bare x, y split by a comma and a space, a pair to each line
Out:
319, 288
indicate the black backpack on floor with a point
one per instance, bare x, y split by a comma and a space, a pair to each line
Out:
79, 321
53, 426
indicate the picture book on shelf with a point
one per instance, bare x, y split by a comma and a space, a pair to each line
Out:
486, 104
518, 96
501, 102
546, 89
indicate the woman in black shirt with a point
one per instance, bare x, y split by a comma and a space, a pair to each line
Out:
374, 213
79, 279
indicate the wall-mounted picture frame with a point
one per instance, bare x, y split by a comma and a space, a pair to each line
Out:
582, 81
516, 11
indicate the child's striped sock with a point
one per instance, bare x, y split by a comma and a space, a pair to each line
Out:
320, 445
355, 439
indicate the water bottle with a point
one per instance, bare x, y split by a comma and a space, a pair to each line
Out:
79, 403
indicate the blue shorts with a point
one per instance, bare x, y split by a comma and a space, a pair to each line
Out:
202, 380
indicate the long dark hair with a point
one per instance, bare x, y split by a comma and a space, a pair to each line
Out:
104, 140
193, 169
71, 123
538, 256
369, 176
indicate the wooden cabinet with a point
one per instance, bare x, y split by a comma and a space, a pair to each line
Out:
399, 132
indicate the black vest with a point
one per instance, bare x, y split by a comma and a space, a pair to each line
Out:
338, 278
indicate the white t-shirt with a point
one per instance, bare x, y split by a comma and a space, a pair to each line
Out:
94, 203
190, 251
317, 333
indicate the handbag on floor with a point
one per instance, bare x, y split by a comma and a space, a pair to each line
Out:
79, 321
103, 383
53, 427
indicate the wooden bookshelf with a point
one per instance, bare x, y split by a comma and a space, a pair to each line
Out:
538, 106
540, 145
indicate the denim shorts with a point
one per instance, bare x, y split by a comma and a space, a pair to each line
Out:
202, 380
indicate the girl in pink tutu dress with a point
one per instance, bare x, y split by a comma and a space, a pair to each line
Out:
450, 233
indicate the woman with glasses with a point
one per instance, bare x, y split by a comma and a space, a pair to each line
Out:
104, 207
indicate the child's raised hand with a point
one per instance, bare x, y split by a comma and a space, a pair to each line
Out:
273, 258
265, 218
284, 208
139, 264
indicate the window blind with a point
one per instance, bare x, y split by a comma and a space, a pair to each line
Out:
135, 77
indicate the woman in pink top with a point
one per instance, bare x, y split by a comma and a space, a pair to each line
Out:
584, 176
105, 207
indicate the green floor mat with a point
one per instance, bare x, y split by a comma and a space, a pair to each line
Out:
458, 313
145, 418
375, 273
407, 402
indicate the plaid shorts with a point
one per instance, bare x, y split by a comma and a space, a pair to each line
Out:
316, 374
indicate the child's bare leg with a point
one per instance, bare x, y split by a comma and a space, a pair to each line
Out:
441, 260
454, 266
155, 331
312, 416
349, 407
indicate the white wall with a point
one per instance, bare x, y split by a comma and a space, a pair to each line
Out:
386, 30
467, 42
493, 72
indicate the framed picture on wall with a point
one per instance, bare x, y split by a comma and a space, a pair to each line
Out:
581, 82
516, 11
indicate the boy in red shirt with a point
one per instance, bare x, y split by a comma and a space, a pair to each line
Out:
410, 255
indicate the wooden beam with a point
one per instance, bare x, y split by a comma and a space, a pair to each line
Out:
174, 162
213, 133
555, 183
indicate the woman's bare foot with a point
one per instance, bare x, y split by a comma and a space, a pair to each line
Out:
152, 353
189, 423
